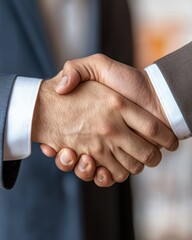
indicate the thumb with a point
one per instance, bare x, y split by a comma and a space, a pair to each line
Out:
68, 82
83, 69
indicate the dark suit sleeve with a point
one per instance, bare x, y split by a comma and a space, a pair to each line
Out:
8, 169
177, 71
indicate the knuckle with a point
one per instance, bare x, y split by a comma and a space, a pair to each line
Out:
68, 65
100, 56
152, 128
138, 168
115, 102
97, 149
172, 142
152, 158
107, 129
121, 177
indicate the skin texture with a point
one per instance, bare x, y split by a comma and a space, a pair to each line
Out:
132, 84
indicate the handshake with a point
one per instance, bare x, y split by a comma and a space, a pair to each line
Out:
103, 119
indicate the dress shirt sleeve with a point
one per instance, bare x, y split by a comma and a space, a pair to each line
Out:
17, 137
168, 102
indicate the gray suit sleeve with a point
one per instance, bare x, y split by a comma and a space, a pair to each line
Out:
177, 71
8, 169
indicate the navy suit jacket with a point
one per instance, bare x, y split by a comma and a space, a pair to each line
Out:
46, 203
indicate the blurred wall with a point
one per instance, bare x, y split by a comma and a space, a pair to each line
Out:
160, 26
163, 195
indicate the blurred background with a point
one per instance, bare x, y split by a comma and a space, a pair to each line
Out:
163, 196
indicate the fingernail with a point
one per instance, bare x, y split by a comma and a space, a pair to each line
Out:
63, 82
65, 160
100, 178
83, 165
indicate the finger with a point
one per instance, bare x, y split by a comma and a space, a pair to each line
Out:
85, 168
118, 172
149, 126
103, 177
66, 160
68, 82
148, 139
128, 162
139, 148
47, 151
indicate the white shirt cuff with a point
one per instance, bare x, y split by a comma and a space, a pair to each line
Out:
168, 102
17, 137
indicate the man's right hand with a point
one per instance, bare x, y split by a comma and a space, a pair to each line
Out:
98, 122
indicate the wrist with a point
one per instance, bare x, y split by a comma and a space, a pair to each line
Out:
36, 118
41, 111
48, 115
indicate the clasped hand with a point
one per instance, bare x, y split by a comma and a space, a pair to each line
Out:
102, 132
